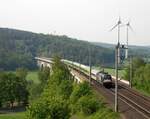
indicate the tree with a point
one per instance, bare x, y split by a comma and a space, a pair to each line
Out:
44, 75
141, 75
50, 107
12, 88
8, 88
66, 88
141, 78
87, 104
80, 90
136, 63
21, 73
53, 103
18, 49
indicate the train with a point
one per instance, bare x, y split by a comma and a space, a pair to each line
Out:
104, 78
101, 77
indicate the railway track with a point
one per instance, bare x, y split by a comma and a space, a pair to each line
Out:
131, 97
136, 102
135, 93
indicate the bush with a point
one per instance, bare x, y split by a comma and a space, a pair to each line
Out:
44, 74
66, 88
141, 75
35, 90
49, 108
53, 103
80, 90
105, 113
88, 105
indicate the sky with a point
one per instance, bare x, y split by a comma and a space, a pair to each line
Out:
88, 20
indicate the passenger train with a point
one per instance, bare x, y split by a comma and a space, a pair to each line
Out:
101, 77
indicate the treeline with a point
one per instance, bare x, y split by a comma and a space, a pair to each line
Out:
141, 75
61, 98
18, 49
17, 90
13, 88
137, 51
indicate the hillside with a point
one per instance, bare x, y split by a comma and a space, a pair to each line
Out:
18, 49
142, 51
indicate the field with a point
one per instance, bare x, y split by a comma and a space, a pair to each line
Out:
33, 75
112, 71
17, 115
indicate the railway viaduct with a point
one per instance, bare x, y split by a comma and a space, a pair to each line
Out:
44, 62
47, 62
132, 104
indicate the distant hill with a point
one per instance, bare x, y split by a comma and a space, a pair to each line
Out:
105, 45
18, 49
134, 50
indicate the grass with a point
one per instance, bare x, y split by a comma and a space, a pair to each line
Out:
17, 115
112, 71
142, 91
103, 113
79, 116
33, 75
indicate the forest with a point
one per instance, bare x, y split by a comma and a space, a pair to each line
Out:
140, 75
18, 49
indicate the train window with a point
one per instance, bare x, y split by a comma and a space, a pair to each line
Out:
107, 77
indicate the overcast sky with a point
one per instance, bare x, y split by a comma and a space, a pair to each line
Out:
82, 19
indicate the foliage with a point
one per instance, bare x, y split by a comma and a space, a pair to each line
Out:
136, 63
49, 108
44, 74
61, 97
37, 85
141, 79
66, 88
83, 100
35, 90
18, 49
12, 88
80, 90
53, 103
21, 73
141, 75
105, 113
87, 104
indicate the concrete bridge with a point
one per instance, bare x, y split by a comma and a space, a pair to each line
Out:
47, 62
44, 62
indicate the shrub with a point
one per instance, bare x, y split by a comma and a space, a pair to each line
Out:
88, 105
49, 108
79, 91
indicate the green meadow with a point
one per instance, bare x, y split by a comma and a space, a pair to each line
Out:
111, 71
17, 115
33, 75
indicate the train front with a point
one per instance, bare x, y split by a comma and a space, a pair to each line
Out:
107, 81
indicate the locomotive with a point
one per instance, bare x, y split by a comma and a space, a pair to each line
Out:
104, 78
